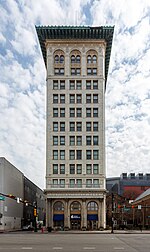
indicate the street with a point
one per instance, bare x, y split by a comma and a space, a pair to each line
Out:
19, 241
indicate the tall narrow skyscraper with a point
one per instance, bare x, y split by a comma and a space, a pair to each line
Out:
77, 61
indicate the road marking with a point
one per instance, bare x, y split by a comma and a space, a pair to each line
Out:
57, 247
119, 248
26, 248
89, 248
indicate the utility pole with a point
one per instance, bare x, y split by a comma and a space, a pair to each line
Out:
35, 215
112, 213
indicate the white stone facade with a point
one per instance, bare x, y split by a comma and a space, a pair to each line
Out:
75, 167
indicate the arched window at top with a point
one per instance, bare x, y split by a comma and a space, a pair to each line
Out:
73, 59
89, 60
78, 58
94, 59
56, 59
75, 206
92, 206
58, 206
61, 58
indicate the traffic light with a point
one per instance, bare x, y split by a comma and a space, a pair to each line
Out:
11, 196
35, 212
132, 207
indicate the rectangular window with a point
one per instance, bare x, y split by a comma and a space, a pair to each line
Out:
62, 112
62, 140
79, 154
88, 169
95, 84
62, 85
95, 168
78, 71
72, 112
79, 183
55, 85
79, 85
79, 98
72, 183
55, 112
95, 126
88, 155
55, 140
62, 126
72, 168
79, 112
62, 98
79, 126
79, 140
88, 140
94, 71
88, 98
55, 154
88, 84
72, 126
88, 126
89, 71
72, 85
62, 169
79, 168
55, 168
88, 112
72, 98
55, 183
96, 183
55, 126
95, 112
56, 71
55, 98
72, 155
95, 154
62, 183
61, 71
95, 98
95, 140
73, 71
72, 140
62, 154
89, 183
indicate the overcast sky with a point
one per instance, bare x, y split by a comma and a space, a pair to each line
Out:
23, 81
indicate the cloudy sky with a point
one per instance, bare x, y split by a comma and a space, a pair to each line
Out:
23, 85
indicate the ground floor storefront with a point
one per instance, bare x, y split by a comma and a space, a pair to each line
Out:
76, 214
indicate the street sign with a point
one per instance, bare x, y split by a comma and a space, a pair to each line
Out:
2, 197
139, 207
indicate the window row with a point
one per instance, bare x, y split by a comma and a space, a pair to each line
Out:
75, 112
76, 183
75, 85
75, 140
75, 71
75, 126
76, 169
75, 59
75, 98
76, 154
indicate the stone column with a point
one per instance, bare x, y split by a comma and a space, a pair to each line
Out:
50, 214
84, 216
99, 214
66, 216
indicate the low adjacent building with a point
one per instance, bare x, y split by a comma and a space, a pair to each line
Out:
18, 198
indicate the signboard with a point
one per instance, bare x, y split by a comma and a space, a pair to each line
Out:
2, 197
75, 216
139, 207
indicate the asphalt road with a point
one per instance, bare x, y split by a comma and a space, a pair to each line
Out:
54, 242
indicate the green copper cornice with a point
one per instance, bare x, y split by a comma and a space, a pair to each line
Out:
77, 32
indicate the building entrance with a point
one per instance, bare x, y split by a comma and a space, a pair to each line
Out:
92, 225
75, 216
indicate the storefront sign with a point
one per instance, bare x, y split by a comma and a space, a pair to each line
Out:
75, 216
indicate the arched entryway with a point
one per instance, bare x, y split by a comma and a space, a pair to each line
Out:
75, 215
92, 215
58, 215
